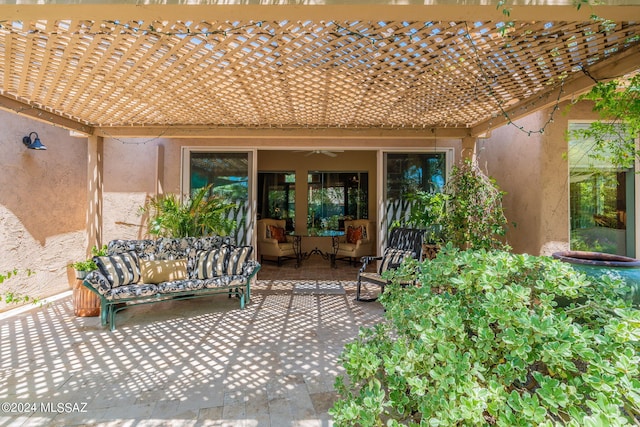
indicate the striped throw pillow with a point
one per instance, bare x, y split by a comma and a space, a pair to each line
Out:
211, 263
120, 270
392, 259
237, 257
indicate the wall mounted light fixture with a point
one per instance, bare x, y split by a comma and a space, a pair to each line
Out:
36, 144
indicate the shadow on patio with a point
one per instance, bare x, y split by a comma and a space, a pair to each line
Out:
197, 362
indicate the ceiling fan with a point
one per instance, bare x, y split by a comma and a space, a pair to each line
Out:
330, 153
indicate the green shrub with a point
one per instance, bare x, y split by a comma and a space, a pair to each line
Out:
202, 214
482, 341
474, 216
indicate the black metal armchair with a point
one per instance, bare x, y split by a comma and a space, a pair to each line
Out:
403, 242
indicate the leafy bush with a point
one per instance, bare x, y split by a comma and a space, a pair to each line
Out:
482, 341
474, 217
203, 214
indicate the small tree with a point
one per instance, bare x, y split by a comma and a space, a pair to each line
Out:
474, 217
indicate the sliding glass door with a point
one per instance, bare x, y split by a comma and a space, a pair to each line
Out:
602, 201
407, 173
228, 172
277, 197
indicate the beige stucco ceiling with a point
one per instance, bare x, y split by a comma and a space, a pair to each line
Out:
145, 68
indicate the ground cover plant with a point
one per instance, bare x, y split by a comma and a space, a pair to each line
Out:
495, 338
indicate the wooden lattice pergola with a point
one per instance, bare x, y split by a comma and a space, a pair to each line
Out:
112, 73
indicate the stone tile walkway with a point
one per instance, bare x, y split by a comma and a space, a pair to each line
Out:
202, 362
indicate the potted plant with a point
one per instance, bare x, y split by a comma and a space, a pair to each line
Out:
203, 214
474, 218
82, 268
85, 302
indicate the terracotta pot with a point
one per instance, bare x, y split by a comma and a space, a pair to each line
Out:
85, 302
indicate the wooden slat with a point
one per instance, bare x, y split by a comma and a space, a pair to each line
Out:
296, 74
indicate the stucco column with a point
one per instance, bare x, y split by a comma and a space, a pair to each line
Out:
95, 152
468, 148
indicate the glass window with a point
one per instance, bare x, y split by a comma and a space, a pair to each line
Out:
407, 173
277, 196
336, 196
229, 174
601, 200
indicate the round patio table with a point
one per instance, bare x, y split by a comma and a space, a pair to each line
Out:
331, 255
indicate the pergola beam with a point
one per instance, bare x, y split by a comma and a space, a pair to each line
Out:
281, 133
42, 115
358, 10
616, 66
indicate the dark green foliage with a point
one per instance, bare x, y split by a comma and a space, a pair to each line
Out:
474, 217
203, 214
482, 341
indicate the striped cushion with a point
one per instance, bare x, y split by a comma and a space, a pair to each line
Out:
237, 258
211, 263
392, 259
120, 269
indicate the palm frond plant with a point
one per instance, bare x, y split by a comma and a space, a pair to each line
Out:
202, 214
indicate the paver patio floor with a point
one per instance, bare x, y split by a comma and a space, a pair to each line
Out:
200, 362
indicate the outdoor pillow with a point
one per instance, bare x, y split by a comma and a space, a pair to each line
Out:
119, 269
278, 234
237, 257
211, 263
392, 259
163, 270
354, 234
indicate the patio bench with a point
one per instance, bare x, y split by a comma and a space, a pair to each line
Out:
138, 272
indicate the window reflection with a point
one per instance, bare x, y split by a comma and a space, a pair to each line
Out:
277, 196
334, 197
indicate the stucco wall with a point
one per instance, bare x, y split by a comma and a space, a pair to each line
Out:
534, 172
42, 206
